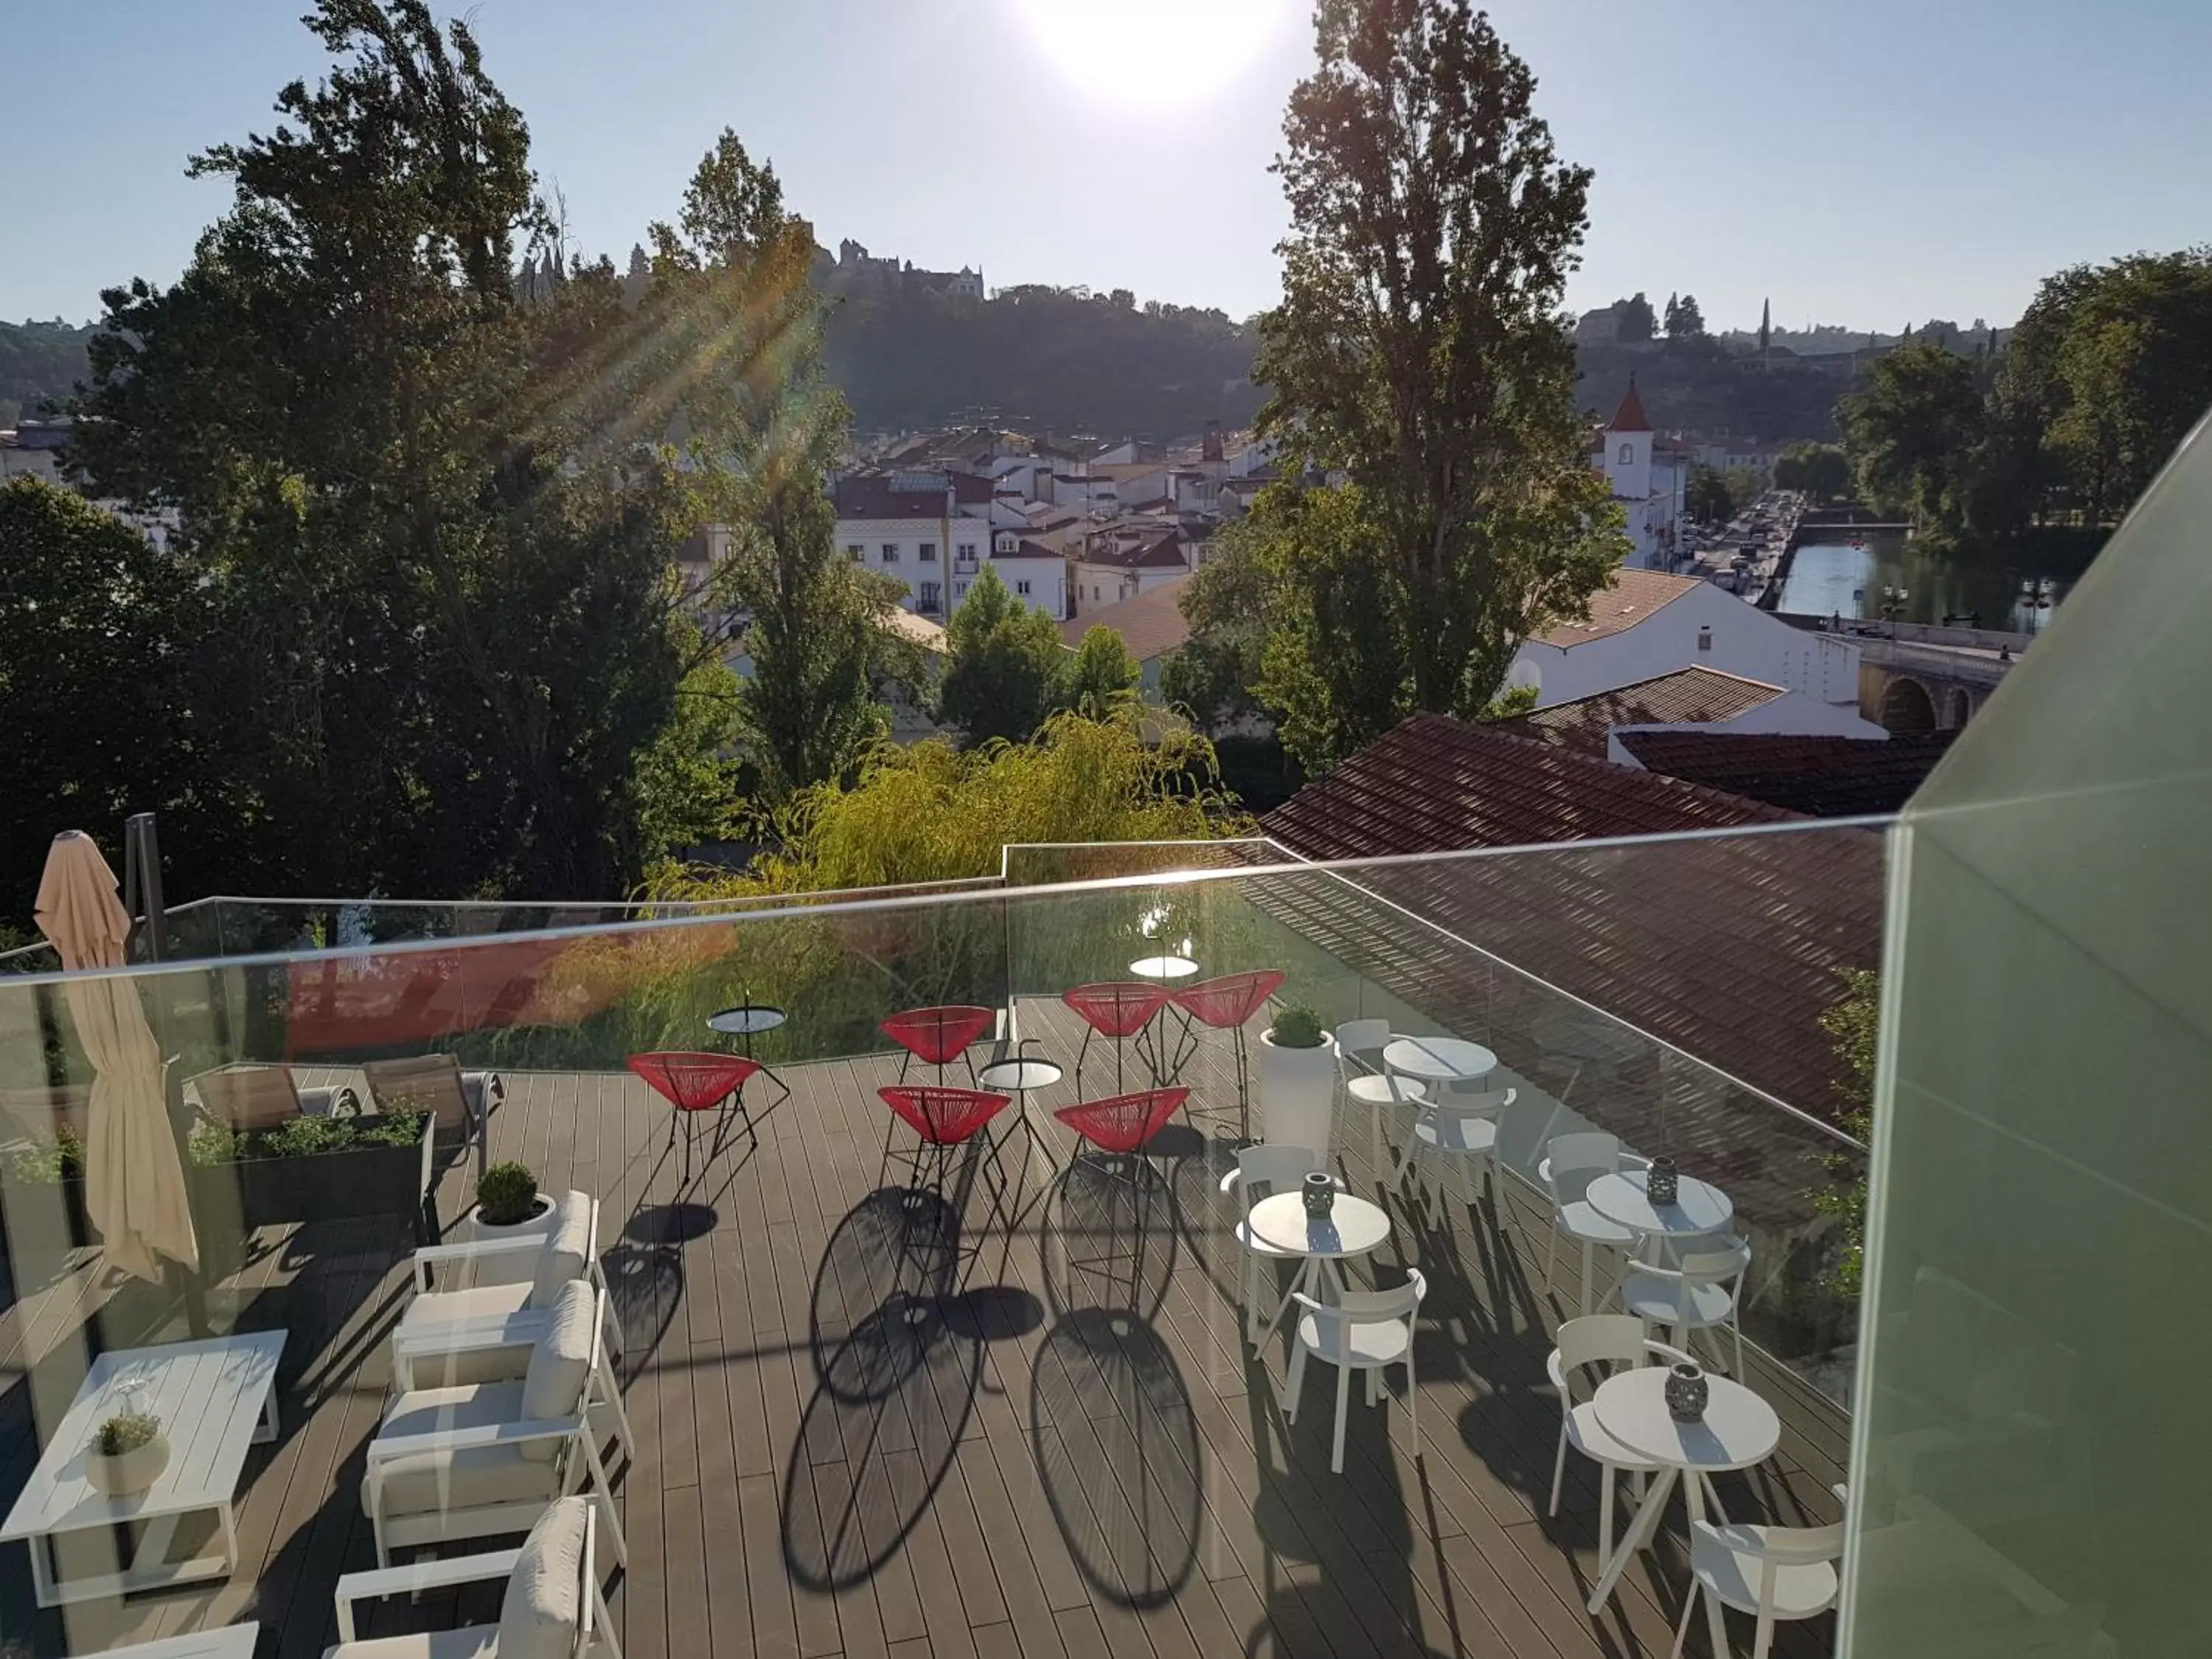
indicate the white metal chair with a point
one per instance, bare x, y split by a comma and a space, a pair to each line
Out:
486, 1459
553, 1607
1365, 1331
1373, 1085
1770, 1572
1454, 1128
1261, 1172
1701, 1291
567, 1249
1610, 1339
1571, 1162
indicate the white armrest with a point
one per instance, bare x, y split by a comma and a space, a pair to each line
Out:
417, 1576
469, 1335
430, 1255
483, 1434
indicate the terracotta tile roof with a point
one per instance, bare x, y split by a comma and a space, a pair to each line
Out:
1632, 596
1726, 947
1687, 694
1027, 549
1630, 416
1151, 625
971, 491
1160, 552
1824, 777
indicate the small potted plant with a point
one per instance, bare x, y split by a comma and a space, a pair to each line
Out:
1297, 1080
127, 1453
508, 1204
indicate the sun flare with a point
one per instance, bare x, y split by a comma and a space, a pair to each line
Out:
1153, 54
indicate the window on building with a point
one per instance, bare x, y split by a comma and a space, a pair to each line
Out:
960, 590
932, 597
1704, 639
966, 552
929, 552
1022, 588
856, 553
1628, 454
890, 553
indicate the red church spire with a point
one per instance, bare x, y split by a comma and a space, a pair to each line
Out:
1630, 416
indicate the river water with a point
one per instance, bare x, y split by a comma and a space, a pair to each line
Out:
1828, 578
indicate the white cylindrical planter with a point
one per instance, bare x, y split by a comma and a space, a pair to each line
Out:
507, 1267
1298, 1093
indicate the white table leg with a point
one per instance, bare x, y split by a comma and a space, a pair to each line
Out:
1638, 1536
42, 1572
267, 1431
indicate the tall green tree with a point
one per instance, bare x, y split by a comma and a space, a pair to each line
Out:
731, 327
1685, 319
1005, 671
419, 492
1103, 677
1822, 471
1419, 353
1638, 322
1910, 432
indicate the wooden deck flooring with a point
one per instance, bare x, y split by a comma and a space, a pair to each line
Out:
877, 1426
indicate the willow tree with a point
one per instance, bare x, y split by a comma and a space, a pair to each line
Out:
1419, 355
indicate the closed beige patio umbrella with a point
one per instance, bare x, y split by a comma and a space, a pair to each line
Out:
134, 1187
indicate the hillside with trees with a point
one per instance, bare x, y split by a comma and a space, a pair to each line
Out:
38, 361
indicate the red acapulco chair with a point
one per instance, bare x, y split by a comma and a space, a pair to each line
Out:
694, 1083
948, 1119
1115, 1010
1227, 1003
937, 1036
1123, 1124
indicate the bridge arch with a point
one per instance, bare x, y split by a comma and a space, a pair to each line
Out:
1958, 707
1906, 706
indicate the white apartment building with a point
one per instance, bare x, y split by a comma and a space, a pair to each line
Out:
1116, 568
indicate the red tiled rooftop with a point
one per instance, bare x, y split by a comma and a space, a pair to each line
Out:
1687, 696
1824, 777
1630, 597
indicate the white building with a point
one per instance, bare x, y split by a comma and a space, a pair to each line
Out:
931, 529
1112, 570
1035, 574
1648, 623
1650, 478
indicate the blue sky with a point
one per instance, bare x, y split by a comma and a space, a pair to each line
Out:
1867, 163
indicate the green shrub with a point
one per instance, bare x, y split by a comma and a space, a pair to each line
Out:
506, 1194
1296, 1026
48, 1163
126, 1431
212, 1144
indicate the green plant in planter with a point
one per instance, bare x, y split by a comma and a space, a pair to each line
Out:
48, 1163
506, 1195
126, 1431
1296, 1026
301, 1137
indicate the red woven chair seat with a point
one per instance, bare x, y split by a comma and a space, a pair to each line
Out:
693, 1082
935, 1035
1116, 1009
940, 1115
1123, 1123
1226, 1003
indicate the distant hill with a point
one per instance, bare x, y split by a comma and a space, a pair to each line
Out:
1054, 360
39, 361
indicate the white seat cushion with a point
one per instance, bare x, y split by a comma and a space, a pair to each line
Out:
1581, 1221
425, 1482
1383, 1342
1376, 1090
1587, 1435
485, 1303
1801, 1590
559, 1363
1671, 1302
471, 1642
567, 1251
544, 1606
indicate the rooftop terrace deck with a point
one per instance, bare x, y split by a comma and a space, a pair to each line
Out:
843, 1451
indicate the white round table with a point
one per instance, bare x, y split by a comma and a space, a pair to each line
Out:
1168, 969
1439, 1059
746, 1018
1698, 1207
1738, 1430
1017, 1077
1352, 1227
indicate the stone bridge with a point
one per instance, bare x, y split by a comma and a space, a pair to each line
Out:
1907, 685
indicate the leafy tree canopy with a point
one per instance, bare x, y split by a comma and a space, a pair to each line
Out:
1419, 355
1006, 669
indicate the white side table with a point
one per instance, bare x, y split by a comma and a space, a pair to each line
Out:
1439, 1059
1738, 1430
215, 1398
1353, 1227
1699, 1207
